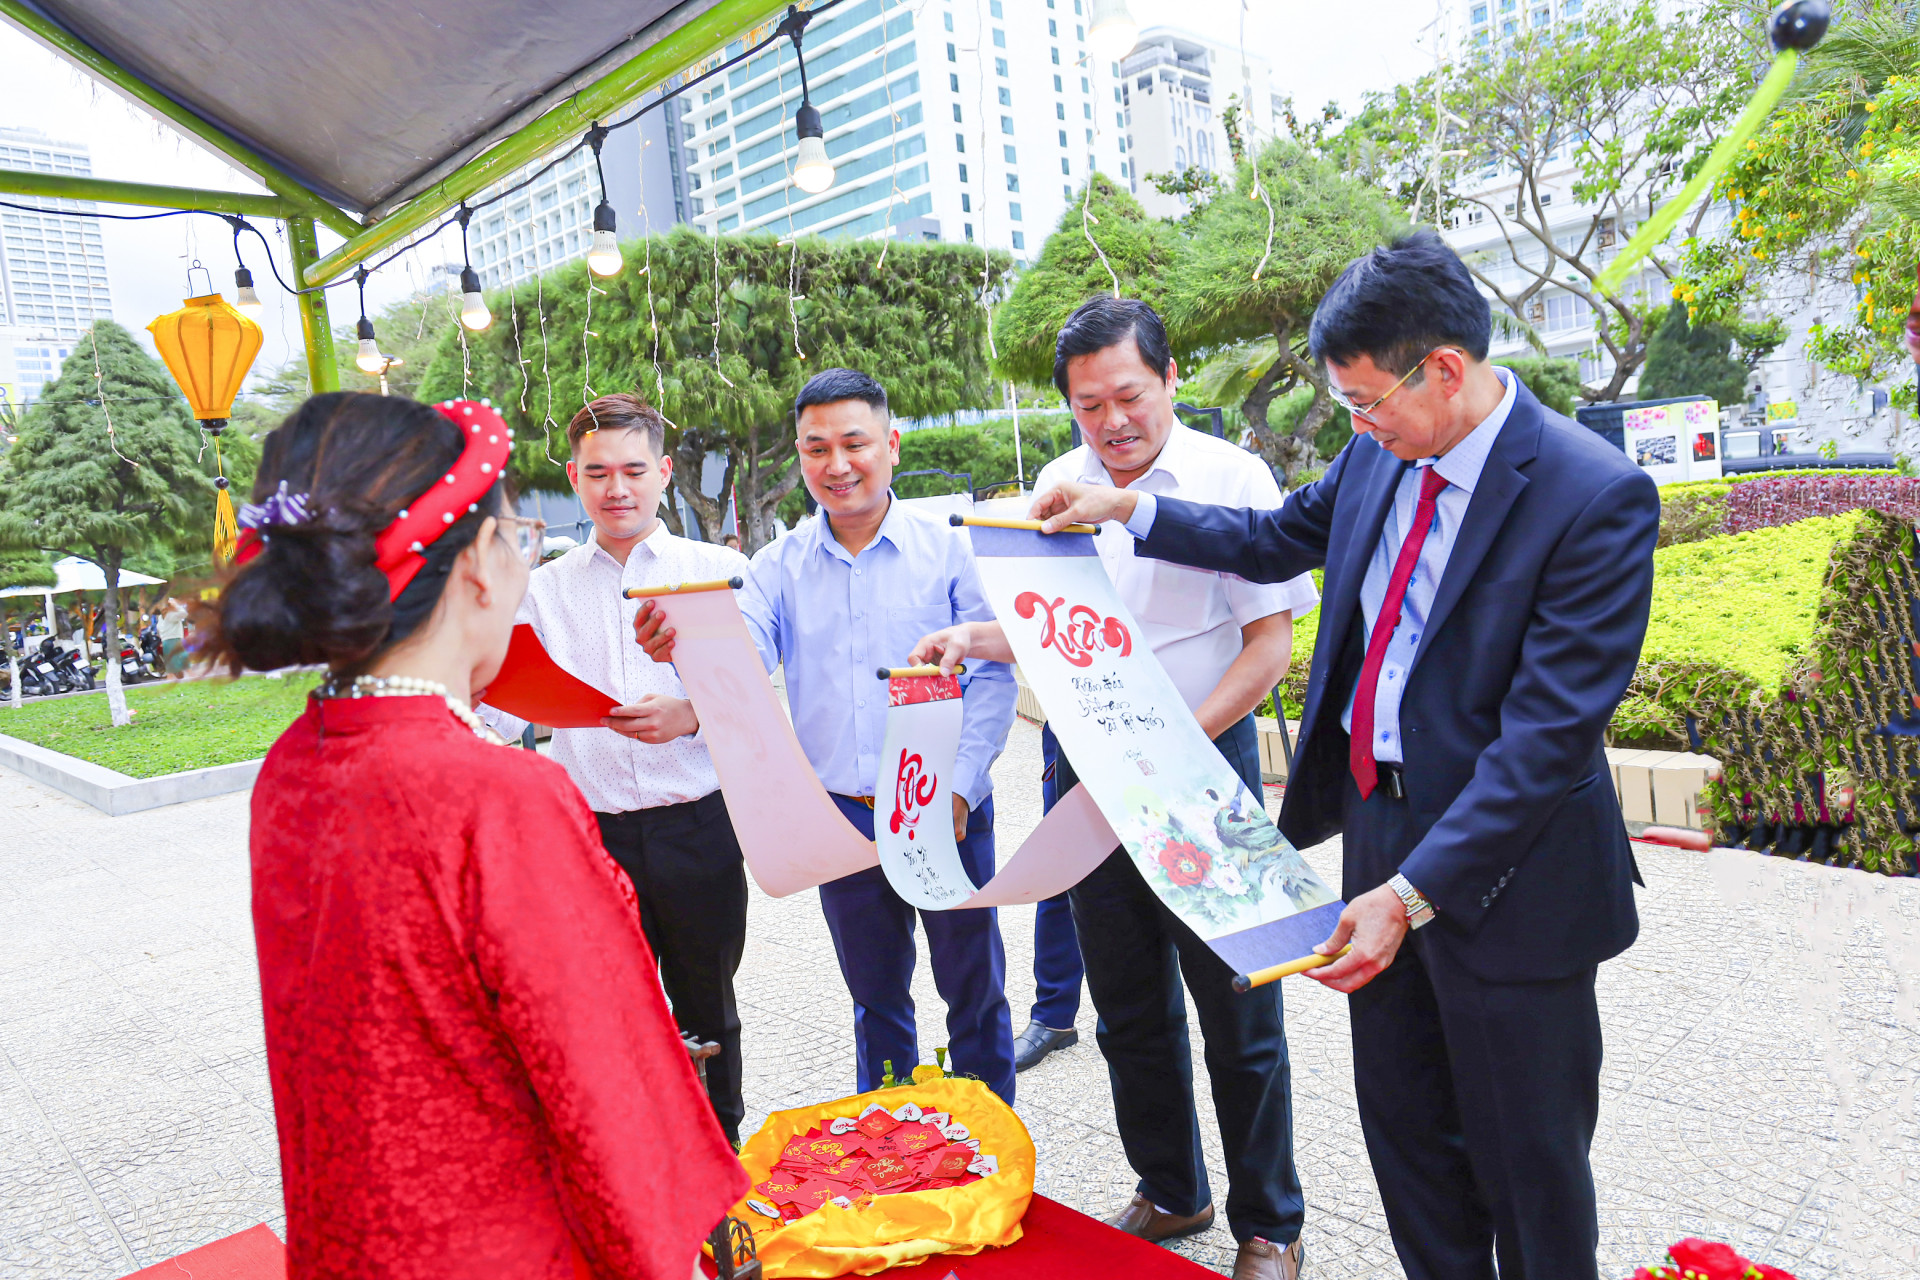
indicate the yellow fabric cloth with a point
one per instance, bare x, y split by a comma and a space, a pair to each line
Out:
892, 1230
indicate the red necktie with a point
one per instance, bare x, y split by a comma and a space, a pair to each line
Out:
1366, 772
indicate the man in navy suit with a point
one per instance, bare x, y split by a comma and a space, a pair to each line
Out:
1488, 570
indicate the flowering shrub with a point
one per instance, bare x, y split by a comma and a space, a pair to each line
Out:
1701, 1260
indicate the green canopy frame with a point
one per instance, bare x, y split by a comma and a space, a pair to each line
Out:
301, 209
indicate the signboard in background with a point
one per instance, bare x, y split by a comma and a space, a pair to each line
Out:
1671, 442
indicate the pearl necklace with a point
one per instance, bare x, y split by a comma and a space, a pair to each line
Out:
413, 687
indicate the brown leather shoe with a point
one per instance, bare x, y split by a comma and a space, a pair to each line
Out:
1264, 1260
1141, 1219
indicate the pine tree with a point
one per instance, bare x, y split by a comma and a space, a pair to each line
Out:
105, 469
1691, 360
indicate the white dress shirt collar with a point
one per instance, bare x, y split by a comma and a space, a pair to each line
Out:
655, 542
888, 531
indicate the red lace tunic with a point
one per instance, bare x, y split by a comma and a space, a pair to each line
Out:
474, 1070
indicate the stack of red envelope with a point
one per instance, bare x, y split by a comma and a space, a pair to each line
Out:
879, 1152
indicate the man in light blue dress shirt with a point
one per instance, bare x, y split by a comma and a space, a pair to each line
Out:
845, 593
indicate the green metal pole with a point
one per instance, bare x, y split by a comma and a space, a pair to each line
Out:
603, 99
96, 63
59, 186
323, 370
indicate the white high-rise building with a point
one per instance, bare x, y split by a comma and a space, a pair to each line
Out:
53, 269
1176, 85
960, 120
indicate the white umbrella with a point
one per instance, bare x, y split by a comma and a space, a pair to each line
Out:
74, 574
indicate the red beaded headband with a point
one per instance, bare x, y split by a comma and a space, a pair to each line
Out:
400, 550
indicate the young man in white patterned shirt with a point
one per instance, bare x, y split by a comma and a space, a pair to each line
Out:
647, 774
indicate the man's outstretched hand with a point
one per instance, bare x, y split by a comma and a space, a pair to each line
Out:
651, 632
1375, 923
1081, 504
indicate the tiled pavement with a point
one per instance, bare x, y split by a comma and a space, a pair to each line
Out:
1762, 1053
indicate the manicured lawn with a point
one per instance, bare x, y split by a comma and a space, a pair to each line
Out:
189, 724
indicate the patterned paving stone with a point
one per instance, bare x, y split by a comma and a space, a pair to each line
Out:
1763, 1047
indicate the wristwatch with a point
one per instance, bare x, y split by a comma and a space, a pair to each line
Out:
1419, 910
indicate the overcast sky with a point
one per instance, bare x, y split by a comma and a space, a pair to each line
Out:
1319, 53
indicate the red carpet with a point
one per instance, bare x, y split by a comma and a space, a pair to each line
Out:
1059, 1244
253, 1254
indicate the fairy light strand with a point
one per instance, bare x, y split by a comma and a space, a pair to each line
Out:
980, 109
1253, 150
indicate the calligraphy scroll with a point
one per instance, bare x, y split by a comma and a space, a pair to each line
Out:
791, 834
913, 813
1200, 838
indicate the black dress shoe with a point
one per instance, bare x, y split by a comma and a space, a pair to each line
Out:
1036, 1042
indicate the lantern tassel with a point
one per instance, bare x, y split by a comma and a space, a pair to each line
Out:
226, 530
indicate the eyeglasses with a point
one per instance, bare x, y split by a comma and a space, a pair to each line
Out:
528, 535
1366, 411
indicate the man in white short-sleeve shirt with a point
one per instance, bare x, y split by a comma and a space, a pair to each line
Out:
1225, 642
646, 774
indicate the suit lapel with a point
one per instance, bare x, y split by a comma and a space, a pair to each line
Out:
1499, 488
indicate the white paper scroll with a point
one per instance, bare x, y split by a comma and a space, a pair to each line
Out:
791, 833
913, 814
1200, 838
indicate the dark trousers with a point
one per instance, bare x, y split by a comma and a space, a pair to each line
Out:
1478, 1099
686, 869
872, 928
1057, 967
1136, 953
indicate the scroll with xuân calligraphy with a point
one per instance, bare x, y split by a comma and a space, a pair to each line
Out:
913, 813
1200, 838
791, 834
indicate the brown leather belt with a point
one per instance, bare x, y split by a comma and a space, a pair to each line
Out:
867, 801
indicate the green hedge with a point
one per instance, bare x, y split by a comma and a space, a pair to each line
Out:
1782, 653
1694, 509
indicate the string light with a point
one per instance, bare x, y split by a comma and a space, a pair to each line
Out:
1113, 31
473, 305
245, 300
368, 358
812, 171
603, 258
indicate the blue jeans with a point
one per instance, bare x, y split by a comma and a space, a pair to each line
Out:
872, 928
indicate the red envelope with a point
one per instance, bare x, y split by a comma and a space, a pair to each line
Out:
534, 687
915, 1136
887, 1145
842, 1170
877, 1124
886, 1173
828, 1150
815, 1192
951, 1163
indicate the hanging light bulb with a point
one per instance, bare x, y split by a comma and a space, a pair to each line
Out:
604, 259
246, 301
473, 307
812, 171
603, 256
368, 359
1113, 32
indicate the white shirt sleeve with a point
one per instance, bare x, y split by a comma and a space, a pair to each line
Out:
1251, 601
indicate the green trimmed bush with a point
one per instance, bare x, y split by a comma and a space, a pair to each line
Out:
1782, 652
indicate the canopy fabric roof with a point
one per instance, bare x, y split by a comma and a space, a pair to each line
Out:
76, 574
364, 103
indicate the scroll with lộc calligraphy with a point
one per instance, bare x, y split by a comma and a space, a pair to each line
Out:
791, 833
1200, 838
913, 813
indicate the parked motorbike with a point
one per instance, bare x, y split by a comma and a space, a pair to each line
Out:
67, 663
40, 671
133, 667
152, 652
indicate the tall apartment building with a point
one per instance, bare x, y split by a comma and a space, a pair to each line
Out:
961, 120
1175, 85
53, 269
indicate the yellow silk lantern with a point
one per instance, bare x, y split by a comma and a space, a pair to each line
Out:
209, 346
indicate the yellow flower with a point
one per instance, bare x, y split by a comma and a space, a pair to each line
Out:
1752, 144
1853, 174
1872, 105
925, 1072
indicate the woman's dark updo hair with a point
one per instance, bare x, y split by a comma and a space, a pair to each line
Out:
313, 595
